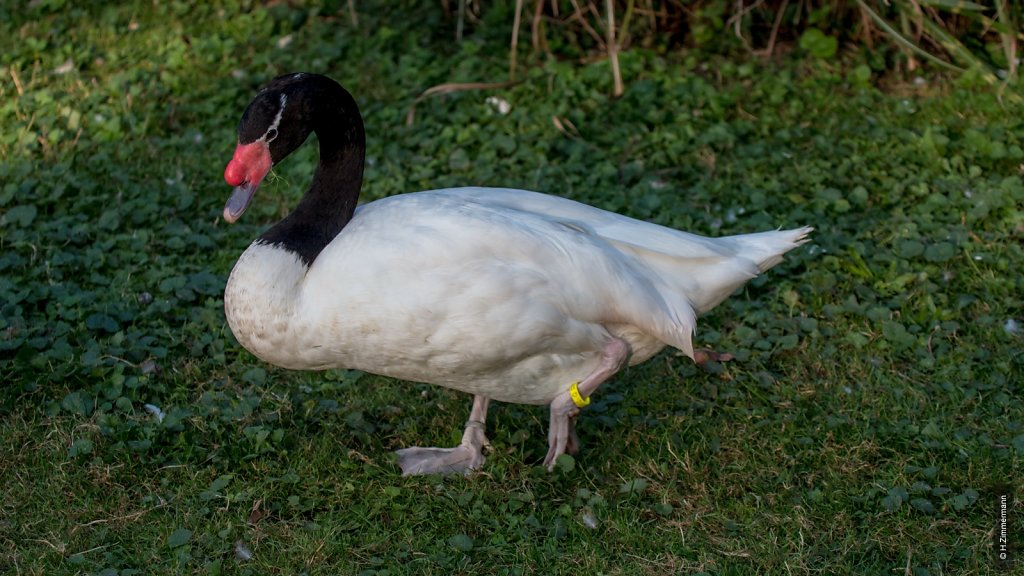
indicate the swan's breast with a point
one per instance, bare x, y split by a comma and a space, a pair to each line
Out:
259, 302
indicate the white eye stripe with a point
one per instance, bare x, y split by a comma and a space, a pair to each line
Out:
267, 137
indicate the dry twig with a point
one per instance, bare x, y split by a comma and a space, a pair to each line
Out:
448, 88
515, 41
613, 49
578, 15
352, 13
17, 81
536, 36
775, 29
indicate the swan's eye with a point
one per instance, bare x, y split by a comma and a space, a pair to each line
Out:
271, 135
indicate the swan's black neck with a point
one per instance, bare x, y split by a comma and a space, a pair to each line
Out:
329, 203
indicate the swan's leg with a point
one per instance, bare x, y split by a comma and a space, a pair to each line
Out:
562, 433
464, 458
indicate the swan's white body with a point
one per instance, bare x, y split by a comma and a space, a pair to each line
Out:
505, 294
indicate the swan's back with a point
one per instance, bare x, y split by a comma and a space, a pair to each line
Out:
705, 269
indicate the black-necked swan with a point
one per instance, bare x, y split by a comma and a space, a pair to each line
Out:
505, 294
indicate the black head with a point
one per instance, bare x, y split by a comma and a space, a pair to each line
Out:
282, 113
277, 121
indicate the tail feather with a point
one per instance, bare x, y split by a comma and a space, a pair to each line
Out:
705, 281
767, 248
691, 284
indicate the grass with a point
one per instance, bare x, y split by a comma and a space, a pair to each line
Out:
872, 412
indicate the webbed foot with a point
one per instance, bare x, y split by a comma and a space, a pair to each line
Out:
562, 429
704, 355
463, 459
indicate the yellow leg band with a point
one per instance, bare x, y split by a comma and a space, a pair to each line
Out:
580, 401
